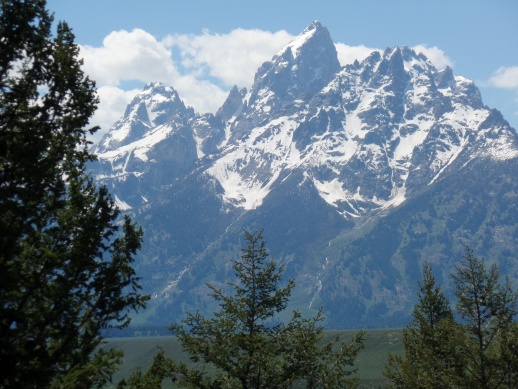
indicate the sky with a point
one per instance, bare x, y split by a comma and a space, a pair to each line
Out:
203, 48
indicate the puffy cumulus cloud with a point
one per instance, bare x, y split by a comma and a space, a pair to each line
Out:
232, 58
209, 65
348, 54
137, 56
436, 56
505, 77
129, 55
202, 95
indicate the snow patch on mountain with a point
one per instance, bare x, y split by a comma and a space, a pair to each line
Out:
498, 146
500, 150
445, 158
296, 45
139, 148
331, 191
397, 197
408, 142
121, 204
248, 171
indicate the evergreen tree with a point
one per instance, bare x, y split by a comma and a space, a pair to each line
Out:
240, 347
65, 268
430, 359
487, 308
479, 350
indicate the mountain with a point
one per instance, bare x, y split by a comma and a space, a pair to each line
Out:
357, 174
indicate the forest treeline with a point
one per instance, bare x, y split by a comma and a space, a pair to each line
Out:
470, 344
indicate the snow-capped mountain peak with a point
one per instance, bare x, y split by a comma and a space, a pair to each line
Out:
394, 116
372, 166
298, 71
157, 104
309, 33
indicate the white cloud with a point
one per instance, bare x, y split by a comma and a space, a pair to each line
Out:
137, 56
505, 77
348, 54
126, 56
436, 56
202, 95
232, 58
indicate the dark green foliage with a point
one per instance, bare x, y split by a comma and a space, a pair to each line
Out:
65, 270
153, 377
480, 350
487, 308
429, 358
242, 347
437, 223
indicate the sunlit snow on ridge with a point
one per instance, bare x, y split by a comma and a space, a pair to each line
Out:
123, 206
259, 147
278, 151
138, 148
301, 40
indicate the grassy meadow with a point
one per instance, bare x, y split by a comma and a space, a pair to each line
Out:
139, 351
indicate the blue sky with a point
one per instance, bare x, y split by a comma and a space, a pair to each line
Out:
203, 48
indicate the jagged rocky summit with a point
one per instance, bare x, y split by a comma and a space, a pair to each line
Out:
358, 174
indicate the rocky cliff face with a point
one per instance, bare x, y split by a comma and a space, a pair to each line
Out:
358, 175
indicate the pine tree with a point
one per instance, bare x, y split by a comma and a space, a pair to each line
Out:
65, 258
241, 347
478, 350
487, 308
429, 341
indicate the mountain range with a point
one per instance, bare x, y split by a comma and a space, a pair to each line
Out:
357, 174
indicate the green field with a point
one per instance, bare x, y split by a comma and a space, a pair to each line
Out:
139, 351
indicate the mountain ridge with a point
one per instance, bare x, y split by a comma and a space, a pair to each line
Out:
318, 155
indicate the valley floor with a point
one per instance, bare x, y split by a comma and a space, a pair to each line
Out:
139, 351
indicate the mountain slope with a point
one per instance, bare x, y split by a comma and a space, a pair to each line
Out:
358, 174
